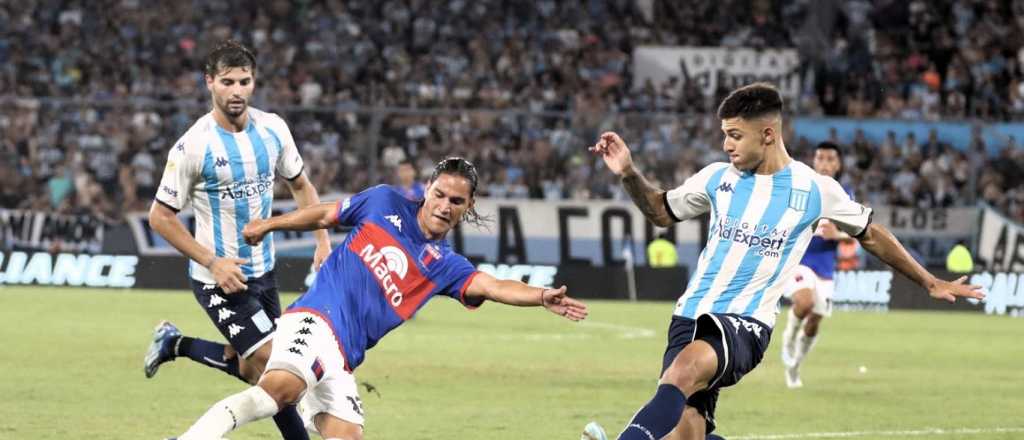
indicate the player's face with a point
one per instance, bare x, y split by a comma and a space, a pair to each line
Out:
826, 161
445, 201
231, 89
406, 174
746, 142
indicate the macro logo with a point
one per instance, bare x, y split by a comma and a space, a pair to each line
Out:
385, 263
725, 187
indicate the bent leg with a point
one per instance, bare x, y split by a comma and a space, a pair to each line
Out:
692, 370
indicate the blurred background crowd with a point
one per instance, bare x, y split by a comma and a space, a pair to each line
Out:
91, 100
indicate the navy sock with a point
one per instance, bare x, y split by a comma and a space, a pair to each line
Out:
658, 417
208, 353
714, 437
290, 424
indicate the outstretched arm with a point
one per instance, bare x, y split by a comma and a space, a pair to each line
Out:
517, 293
647, 197
880, 242
319, 216
305, 195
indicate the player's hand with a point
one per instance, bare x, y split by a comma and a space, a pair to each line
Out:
254, 231
828, 230
950, 290
227, 272
615, 153
323, 250
558, 303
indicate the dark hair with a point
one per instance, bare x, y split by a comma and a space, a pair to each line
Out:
751, 101
829, 145
463, 168
227, 54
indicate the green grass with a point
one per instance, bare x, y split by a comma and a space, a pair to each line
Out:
71, 367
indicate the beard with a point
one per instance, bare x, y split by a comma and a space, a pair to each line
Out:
233, 112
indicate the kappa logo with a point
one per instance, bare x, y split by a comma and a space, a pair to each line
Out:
220, 162
750, 326
180, 146
308, 320
209, 286
300, 341
295, 350
216, 300
304, 331
234, 329
224, 314
395, 220
725, 187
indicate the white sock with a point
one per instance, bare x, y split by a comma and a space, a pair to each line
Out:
792, 324
804, 344
231, 413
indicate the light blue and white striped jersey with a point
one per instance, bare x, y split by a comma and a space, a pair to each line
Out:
760, 227
229, 179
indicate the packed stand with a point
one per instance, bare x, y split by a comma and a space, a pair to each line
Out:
554, 71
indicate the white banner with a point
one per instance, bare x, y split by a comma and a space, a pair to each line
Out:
1000, 242
714, 67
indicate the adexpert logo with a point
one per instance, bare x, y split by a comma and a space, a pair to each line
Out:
248, 188
768, 239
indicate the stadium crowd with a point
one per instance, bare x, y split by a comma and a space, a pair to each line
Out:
85, 122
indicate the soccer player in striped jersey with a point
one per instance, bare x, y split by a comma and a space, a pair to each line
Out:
762, 205
224, 166
810, 288
392, 263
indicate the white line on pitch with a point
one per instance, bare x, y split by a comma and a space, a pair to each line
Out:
852, 434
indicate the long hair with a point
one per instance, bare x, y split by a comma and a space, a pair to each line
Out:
458, 166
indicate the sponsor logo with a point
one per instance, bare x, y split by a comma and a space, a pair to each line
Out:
395, 220
750, 326
169, 191
389, 260
248, 188
224, 314
767, 239
1004, 292
68, 269
862, 289
215, 300
234, 329
534, 275
402, 284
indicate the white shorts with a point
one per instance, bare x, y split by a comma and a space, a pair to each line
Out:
805, 278
305, 345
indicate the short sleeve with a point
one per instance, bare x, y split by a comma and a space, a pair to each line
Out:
837, 206
354, 209
180, 175
289, 162
691, 199
458, 274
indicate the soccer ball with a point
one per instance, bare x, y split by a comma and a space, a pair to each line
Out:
593, 431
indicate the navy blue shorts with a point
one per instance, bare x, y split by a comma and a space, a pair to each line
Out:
246, 318
739, 342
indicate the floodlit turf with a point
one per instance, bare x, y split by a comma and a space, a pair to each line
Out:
71, 367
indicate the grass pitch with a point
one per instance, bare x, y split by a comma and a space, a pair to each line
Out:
71, 367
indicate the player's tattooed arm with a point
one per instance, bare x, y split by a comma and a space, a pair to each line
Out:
647, 197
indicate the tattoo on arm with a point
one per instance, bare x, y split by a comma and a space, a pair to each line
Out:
647, 198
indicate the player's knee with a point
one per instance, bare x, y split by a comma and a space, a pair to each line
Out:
284, 387
688, 374
811, 325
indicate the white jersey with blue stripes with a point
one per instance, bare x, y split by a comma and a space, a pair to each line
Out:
759, 229
229, 179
